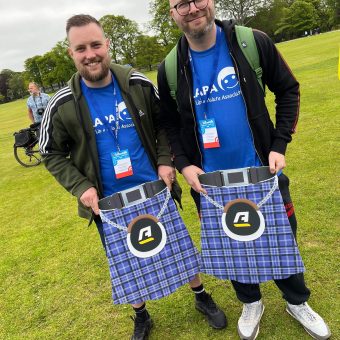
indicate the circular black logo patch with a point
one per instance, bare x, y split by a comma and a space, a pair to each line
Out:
242, 220
146, 236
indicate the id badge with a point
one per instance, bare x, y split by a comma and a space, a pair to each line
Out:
122, 164
209, 133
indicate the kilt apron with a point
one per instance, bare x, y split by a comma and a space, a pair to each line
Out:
246, 235
149, 250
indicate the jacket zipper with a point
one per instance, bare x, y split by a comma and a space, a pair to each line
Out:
141, 132
193, 114
245, 105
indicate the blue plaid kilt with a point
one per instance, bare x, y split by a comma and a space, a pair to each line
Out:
136, 279
274, 255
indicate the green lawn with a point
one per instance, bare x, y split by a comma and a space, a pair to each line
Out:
54, 280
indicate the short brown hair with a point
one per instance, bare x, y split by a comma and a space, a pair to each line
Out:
81, 20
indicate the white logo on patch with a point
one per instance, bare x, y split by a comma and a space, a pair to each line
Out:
145, 233
242, 217
227, 77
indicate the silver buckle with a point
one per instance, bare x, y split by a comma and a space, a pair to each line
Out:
232, 183
125, 193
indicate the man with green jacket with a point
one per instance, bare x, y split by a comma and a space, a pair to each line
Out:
108, 114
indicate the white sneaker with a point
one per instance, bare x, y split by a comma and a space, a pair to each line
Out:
248, 325
311, 321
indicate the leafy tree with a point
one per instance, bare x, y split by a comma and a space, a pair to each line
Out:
56, 66
329, 13
5, 77
166, 29
274, 12
32, 70
46, 65
16, 85
123, 34
240, 10
53, 68
149, 51
64, 65
299, 17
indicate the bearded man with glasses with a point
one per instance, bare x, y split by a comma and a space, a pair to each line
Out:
218, 89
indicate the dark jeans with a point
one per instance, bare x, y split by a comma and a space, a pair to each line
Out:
293, 288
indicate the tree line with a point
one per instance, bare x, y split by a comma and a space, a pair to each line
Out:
280, 19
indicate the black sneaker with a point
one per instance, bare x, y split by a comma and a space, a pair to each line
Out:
215, 316
142, 328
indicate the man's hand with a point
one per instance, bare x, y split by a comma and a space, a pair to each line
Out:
191, 174
90, 199
277, 162
167, 174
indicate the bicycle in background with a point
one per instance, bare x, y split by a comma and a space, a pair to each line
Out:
26, 148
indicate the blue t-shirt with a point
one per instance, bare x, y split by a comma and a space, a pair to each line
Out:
106, 104
37, 102
218, 96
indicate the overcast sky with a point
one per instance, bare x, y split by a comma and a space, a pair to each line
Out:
33, 27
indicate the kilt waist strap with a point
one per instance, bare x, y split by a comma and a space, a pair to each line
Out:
131, 196
236, 177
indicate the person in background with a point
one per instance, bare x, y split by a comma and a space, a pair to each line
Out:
216, 83
36, 103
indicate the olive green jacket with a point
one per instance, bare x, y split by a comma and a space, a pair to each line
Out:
68, 142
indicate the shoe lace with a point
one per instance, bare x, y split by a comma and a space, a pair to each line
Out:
248, 312
307, 314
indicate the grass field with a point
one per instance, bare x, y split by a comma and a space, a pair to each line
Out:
54, 280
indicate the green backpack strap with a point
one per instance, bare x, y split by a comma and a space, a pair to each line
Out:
246, 41
171, 71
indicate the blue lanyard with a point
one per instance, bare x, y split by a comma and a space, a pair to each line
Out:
102, 117
213, 74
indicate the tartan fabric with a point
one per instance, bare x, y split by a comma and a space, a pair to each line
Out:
274, 255
136, 279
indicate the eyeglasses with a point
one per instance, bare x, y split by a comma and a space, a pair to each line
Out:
183, 8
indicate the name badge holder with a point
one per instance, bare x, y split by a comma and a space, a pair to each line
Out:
122, 164
209, 133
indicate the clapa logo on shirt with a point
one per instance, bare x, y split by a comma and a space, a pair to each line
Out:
226, 79
123, 116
